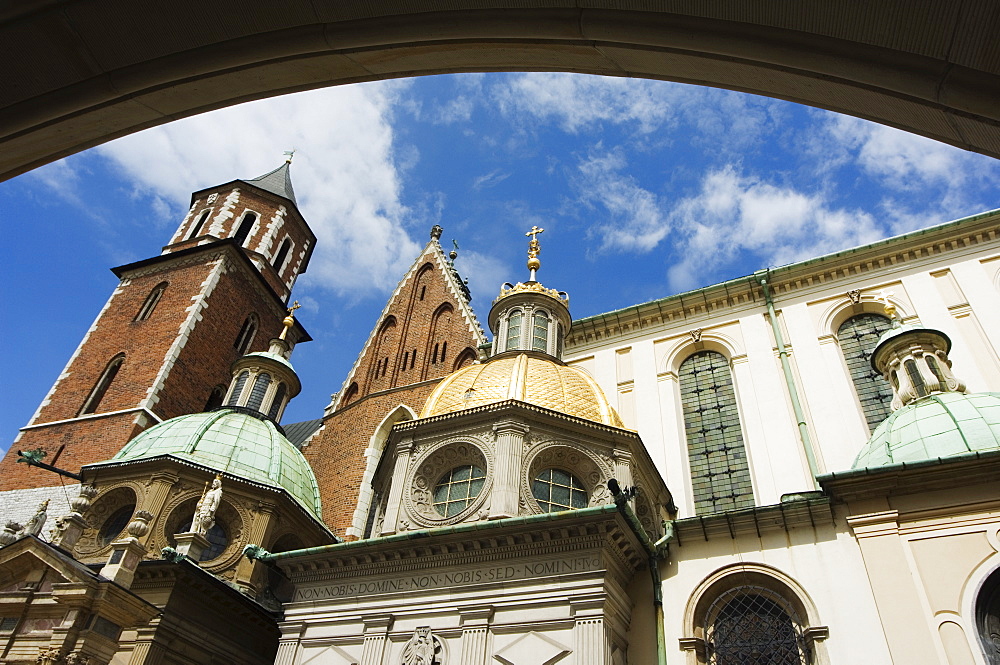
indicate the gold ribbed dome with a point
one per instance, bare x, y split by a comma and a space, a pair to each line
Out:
527, 378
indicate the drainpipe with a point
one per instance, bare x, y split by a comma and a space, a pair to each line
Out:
655, 551
762, 276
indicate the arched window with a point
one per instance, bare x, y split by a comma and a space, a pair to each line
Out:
151, 301
858, 336
215, 399
540, 332
258, 391
753, 625
513, 331
720, 473
916, 380
246, 224
279, 258
350, 396
196, 229
279, 397
457, 489
988, 618
241, 381
93, 400
247, 333
115, 524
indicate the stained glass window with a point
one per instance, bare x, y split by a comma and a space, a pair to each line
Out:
556, 490
754, 626
720, 473
858, 337
457, 489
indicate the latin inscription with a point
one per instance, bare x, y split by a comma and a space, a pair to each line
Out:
518, 571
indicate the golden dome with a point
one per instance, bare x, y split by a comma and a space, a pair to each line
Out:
528, 378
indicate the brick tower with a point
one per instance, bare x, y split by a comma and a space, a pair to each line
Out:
163, 344
426, 331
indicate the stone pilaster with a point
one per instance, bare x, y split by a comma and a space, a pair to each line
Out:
260, 532
475, 622
510, 435
156, 496
390, 522
376, 633
288, 644
590, 636
623, 469
146, 652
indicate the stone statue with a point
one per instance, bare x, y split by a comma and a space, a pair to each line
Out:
422, 649
37, 521
204, 512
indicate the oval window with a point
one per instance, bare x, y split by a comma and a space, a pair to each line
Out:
556, 490
457, 489
115, 524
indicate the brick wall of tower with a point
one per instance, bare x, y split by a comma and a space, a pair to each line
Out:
425, 312
177, 355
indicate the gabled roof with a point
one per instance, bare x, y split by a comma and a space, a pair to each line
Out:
278, 181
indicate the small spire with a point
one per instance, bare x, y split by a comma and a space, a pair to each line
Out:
534, 249
289, 320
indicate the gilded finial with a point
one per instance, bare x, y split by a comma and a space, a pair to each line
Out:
534, 249
288, 155
289, 320
453, 254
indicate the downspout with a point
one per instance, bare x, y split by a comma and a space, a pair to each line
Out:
762, 276
655, 552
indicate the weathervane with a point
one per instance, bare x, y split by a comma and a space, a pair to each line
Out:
288, 155
290, 319
534, 249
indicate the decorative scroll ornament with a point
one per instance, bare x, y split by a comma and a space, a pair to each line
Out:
424, 648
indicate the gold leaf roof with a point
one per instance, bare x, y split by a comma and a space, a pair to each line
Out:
527, 378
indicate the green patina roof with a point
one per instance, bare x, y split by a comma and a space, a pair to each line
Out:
234, 443
939, 425
272, 356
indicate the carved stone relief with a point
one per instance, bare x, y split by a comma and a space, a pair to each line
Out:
577, 459
114, 498
418, 495
424, 648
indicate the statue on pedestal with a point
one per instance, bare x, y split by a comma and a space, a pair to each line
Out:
204, 512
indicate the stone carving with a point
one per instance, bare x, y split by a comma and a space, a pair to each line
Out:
48, 655
436, 232
10, 533
37, 521
139, 526
855, 296
424, 648
77, 658
204, 512
81, 504
418, 500
695, 335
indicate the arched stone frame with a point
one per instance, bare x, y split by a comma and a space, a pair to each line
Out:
432, 351
373, 453
197, 226
975, 582
251, 232
111, 499
467, 356
427, 468
674, 356
591, 468
757, 575
419, 292
384, 352
279, 266
234, 516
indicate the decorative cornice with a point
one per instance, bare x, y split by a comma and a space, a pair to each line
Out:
811, 512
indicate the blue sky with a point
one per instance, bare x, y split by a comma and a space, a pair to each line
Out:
645, 189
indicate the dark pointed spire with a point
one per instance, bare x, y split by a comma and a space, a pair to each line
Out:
278, 181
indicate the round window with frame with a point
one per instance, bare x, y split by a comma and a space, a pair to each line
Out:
556, 490
457, 489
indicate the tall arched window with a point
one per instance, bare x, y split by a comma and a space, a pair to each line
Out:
101, 387
196, 229
751, 625
279, 258
246, 224
540, 331
245, 338
279, 397
513, 331
151, 301
858, 336
241, 381
258, 391
720, 473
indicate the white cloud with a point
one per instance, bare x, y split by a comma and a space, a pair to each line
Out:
345, 173
734, 214
633, 220
491, 179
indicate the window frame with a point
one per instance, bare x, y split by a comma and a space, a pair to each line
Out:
100, 389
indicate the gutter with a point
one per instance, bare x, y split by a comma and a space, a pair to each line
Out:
762, 276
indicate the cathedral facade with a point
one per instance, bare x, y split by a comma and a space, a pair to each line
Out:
800, 466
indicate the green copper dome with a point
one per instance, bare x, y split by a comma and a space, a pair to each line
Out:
271, 356
938, 425
233, 443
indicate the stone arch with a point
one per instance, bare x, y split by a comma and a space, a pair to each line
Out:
420, 282
465, 358
381, 363
825, 54
373, 453
981, 581
436, 350
696, 341
840, 310
760, 577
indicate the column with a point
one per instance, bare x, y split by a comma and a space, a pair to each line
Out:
591, 645
390, 522
475, 622
509, 454
288, 644
896, 597
376, 632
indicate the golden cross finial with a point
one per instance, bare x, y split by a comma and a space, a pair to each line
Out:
289, 320
533, 250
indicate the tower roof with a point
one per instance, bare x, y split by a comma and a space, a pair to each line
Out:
278, 181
